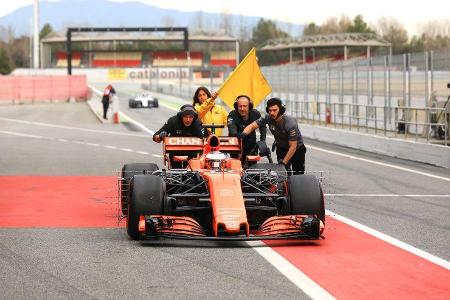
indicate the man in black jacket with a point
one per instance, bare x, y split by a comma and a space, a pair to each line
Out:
184, 123
288, 139
239, 118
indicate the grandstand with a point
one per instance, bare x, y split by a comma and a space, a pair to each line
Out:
177, 59
136, 50
61, 59
323, 48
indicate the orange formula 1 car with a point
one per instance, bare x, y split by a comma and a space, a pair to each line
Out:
203, 193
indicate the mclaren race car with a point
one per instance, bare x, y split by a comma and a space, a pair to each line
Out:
203, 192
143, 100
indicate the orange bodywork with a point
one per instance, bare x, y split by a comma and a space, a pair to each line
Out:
223, 179
227, 202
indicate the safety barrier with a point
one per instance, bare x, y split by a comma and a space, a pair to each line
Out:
42, 88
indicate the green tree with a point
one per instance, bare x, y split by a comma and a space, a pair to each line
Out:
311, 29
360, 26
266, 30
45, 30
5, 68
417, 44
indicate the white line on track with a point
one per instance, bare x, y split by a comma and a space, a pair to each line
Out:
140, 125
110, 147
379, 163
389, 195
74, 142
22, 134
296, 276
393, 241
73, 128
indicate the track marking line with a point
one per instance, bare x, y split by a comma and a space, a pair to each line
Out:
291, 272
22, 134
393, 241
379, 163
389, 195
140, 125
143, 152
72, 128
75, 142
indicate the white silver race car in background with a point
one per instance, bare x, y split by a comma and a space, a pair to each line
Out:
143, 100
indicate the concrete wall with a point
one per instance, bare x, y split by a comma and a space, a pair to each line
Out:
427, 153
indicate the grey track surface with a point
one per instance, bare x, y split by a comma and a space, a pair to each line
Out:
103, 263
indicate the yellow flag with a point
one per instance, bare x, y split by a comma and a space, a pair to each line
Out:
246, 79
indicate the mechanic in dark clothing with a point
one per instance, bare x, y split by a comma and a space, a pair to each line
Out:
184, 123
288, 139
239, 118
108, 93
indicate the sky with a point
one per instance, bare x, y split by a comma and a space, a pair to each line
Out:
411, 14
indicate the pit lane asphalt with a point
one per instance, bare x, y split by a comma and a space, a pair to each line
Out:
103, 263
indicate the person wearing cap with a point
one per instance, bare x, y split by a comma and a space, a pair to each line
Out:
290, 148
208, 111
184, 123
239, 118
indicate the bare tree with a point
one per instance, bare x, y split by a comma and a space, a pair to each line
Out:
198, 22
436, 35
393, 32
226, 23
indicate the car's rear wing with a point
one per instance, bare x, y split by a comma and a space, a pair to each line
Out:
228, 144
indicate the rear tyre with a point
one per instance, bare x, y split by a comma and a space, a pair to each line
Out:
155, 103
147, 195
131, 103
306, 196
128, 171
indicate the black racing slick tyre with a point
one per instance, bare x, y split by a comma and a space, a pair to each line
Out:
306, 196
128, 171
155, 103
147, 195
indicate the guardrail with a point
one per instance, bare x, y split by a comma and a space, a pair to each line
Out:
422, 123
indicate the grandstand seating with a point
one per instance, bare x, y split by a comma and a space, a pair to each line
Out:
120, 59
61, 59
176, 59
223, 58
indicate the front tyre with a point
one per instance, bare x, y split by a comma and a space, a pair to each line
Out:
306, 196
128, 171
147, 196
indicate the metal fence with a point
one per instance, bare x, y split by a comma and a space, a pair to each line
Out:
390, 95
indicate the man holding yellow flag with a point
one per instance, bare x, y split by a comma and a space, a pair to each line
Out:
247, 79
244, 89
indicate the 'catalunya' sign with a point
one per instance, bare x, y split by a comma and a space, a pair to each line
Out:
161, 73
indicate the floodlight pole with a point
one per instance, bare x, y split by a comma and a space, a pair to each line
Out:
36, 35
